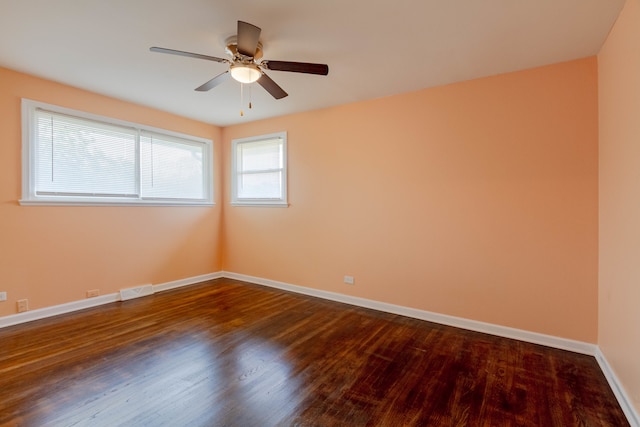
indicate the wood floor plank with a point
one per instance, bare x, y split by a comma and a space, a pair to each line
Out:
228, 353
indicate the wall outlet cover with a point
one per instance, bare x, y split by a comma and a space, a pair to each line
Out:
23, 305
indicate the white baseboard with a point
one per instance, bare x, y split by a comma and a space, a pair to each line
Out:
443, 319
618, 389
503, 331
41, 313
186, 282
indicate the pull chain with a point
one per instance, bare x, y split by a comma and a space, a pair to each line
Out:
241, 98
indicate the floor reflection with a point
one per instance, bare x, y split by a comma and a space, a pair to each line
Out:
188, 380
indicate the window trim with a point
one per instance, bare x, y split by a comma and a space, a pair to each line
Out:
280, 202
30, 198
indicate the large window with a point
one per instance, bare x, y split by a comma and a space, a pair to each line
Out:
70, 157
259, 170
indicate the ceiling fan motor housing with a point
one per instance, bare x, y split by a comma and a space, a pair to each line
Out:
231, 44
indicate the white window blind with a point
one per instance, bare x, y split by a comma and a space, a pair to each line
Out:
79, 157
259, 170
76, 158
171, 167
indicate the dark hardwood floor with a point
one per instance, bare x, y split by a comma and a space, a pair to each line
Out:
228, 353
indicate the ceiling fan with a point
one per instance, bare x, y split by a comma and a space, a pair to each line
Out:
246, 64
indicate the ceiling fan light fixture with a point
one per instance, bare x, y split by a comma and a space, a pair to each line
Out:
246, 65
245, 73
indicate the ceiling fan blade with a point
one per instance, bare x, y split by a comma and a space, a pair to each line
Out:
188, 54
297, 67
272, 87
248, 37
220, 78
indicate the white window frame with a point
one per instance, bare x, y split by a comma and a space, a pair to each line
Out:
30, 197
273, 202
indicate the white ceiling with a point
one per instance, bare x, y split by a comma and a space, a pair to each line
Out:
374, 48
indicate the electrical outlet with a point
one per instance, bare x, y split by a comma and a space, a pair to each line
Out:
349, 280
93, 293
3, 296
23, 305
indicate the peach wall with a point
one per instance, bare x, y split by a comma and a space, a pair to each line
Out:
53, 255
477, 200
619, 282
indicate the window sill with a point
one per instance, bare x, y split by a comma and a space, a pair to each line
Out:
262, 204
68, 202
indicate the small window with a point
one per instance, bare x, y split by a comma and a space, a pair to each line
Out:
70, 157
259, 170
